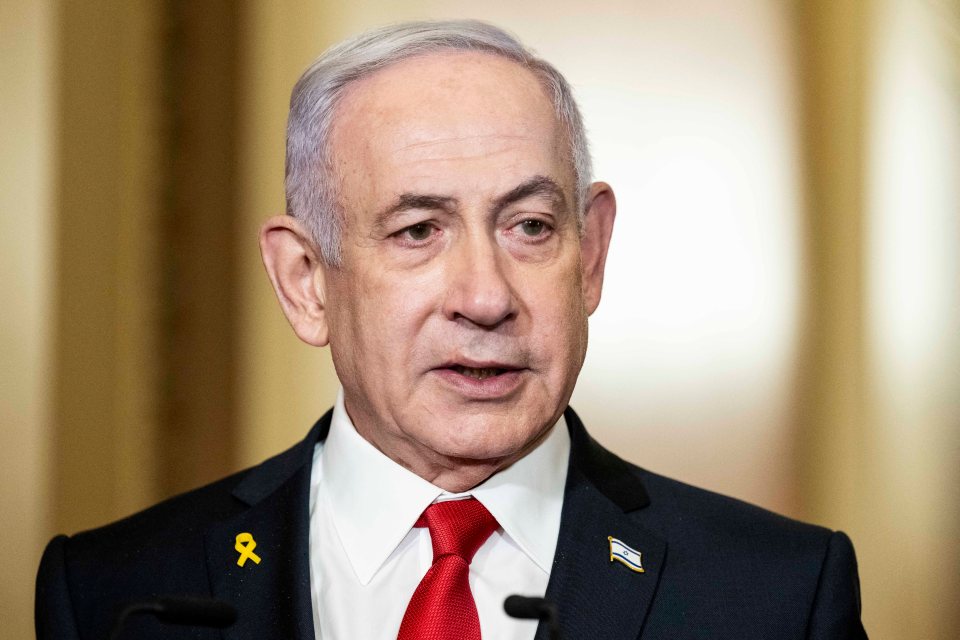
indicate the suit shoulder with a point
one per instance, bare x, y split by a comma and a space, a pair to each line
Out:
180, 520
728, 558
83, 578
184, 516
687, 512
166, 523
162, 549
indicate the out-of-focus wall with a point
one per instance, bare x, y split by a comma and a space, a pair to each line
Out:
780, 317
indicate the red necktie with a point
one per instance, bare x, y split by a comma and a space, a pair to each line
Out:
442, 607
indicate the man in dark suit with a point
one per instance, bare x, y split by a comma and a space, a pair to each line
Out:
446, 241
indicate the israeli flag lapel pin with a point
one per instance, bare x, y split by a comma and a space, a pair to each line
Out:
625, 555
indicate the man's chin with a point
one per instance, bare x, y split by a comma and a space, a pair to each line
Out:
480, 441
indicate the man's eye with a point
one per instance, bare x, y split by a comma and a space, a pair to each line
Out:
533, 228
419, 232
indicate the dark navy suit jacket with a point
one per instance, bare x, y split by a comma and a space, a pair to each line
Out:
714, 567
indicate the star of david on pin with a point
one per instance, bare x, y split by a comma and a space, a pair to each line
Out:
625, 555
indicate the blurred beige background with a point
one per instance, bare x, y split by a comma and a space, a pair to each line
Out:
782, 314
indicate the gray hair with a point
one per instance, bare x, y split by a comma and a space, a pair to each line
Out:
312, 194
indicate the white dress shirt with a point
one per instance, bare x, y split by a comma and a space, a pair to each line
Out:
367, 558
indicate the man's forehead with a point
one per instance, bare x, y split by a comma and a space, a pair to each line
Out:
444, 98
448, 72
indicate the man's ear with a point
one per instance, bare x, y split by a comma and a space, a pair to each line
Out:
601, 209
294, 267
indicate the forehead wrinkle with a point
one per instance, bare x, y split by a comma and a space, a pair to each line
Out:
453, 139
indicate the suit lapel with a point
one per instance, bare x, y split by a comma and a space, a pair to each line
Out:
273, 596
596, 597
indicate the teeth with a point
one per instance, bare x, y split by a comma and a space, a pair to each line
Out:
479, 374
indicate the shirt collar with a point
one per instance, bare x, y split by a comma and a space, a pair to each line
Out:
374, 502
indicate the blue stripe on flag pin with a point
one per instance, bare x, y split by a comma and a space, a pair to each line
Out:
625, 555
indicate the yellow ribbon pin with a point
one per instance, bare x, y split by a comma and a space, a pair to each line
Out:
245, 546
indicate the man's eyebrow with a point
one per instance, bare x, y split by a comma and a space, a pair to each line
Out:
535, 186
416, 201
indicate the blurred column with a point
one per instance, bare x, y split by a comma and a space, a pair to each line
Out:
105, 401
878, 408
27, 129
196, 243
913, 317
833, 430
833, 68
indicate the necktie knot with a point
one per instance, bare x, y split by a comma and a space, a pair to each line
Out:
442, 607
458, 527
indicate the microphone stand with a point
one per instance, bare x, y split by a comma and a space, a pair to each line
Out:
532, 608
197, 612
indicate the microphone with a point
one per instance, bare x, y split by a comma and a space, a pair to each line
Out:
182, 610
532, 608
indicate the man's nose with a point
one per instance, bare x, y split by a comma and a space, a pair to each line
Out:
478, 284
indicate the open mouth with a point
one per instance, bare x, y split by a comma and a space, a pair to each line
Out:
482, 380
478, 373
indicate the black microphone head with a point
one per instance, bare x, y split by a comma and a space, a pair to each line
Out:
524, 607
198, 612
